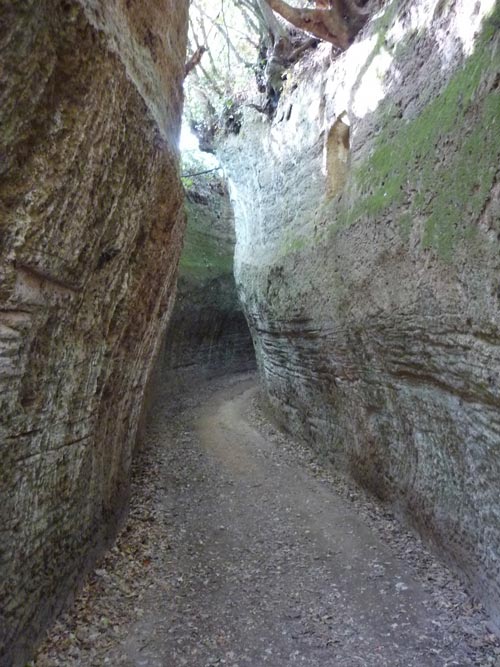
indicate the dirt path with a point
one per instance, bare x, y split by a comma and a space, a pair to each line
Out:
269, 563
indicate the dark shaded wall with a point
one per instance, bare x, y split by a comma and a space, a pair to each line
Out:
208, 332
91, 226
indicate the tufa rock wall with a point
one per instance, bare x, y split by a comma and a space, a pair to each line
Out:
208, 332
368, 263
91, 222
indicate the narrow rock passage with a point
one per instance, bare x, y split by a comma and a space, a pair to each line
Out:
269, 565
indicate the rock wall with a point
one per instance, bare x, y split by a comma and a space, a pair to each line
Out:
208, 332
91, 225
368, 262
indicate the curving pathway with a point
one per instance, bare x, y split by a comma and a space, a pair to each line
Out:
268, 564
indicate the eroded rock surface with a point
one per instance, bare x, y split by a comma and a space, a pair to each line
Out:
368, 262
208, 333
90, 230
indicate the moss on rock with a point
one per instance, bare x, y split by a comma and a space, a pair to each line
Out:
453, 142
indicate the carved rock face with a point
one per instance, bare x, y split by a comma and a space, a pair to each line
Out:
91, 223
208, 332
375, 305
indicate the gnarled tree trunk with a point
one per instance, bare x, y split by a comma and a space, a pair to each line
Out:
338, 25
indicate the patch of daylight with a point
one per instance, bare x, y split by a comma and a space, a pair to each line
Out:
188, 141
189, 146
371, 90
362, 75
467, 25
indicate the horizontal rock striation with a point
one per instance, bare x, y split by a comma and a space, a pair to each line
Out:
368, 263
91, 227
208, 332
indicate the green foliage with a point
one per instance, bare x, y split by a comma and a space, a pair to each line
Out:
193, 160
187, 182
195, 163
226, 70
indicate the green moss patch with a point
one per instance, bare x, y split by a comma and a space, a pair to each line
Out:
203, 257
293, 244
442, 164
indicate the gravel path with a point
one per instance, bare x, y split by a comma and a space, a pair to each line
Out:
257, 555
